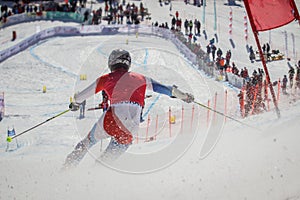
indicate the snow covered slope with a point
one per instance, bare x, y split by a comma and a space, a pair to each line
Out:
217, 159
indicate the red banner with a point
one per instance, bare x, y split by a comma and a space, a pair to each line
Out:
270, 14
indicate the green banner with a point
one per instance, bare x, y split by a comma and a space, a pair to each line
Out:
70, 16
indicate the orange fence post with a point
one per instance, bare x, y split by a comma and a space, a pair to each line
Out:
243, 102
193, 111
170, 131
3, 104
147, 130
207, 118
137, 138
254, 99
182, 116
225, 109
215, 104
278, 93
14, 36
266, 95
156, 127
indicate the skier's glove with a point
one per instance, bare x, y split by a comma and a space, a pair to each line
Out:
189, 98
74, 106
186, 97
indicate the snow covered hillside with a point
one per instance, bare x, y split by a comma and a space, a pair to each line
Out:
200, 156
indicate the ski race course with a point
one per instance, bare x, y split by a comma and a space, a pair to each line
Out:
183, 151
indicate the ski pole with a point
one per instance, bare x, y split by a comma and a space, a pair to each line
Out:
220, 113
9, 139
94, 108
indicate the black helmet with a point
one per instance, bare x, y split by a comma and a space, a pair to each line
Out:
119, 58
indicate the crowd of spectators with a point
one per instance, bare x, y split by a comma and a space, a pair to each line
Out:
294, 76
254, 92
115, 12
38, 8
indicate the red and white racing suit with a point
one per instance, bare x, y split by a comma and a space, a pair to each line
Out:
126, 92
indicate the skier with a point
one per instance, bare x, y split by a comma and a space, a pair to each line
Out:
126, 92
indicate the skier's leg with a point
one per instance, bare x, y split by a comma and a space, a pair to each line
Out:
97, 133
122, 122
113, 151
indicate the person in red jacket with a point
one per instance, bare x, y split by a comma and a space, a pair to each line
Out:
126, 93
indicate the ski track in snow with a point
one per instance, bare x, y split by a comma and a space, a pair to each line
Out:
207, 159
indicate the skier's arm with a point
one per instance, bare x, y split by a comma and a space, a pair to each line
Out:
80, 97
92, 89
171, 91
159, 88
181, 95
86, 93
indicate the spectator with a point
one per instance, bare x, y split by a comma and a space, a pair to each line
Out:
208, 49
198, 27
244, 73
268, 48
219, 53
297, 78
178, 24
191, 26
195, 27
291, 75
228, 57
213, 51
235, 70
186, 26
166, 25
252, 55
264, 48
142, 11
284, 84
86, 15
173, 23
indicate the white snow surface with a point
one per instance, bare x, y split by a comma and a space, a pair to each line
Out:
219, 159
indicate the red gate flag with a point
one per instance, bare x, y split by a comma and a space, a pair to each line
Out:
270, 14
